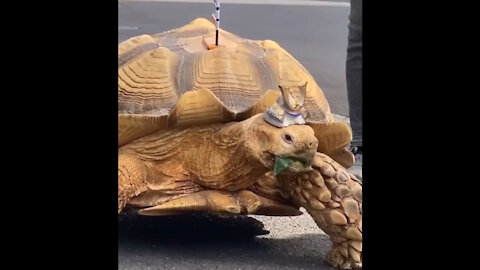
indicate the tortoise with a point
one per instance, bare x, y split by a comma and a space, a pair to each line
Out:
235, 129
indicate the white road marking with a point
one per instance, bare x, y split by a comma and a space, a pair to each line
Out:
127, 28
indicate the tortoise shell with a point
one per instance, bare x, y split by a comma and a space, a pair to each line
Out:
175, 79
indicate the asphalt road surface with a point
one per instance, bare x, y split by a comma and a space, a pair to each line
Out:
314, 34
189, 242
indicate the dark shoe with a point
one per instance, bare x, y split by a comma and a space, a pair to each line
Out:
356, 169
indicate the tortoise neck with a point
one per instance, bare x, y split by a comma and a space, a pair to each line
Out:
223, 161
215, 156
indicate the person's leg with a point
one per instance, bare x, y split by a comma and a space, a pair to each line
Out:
354, 72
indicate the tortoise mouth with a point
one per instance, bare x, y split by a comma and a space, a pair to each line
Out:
289, 163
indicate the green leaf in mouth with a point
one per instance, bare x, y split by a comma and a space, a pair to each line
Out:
281, 164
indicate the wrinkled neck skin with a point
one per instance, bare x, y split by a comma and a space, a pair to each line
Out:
214, 156
223, 160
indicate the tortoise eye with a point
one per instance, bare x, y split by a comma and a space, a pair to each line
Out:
288, 138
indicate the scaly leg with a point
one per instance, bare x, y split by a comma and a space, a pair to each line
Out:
333, 197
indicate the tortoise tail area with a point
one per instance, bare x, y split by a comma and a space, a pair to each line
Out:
132, 179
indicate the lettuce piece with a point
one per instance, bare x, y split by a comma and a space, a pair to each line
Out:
281, 164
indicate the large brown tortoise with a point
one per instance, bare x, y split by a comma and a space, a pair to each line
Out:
239, 128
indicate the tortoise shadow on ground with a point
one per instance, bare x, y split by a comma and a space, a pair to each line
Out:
234, 241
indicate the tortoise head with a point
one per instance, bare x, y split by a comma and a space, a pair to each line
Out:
291, 148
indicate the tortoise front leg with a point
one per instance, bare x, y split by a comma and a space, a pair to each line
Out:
333, 197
